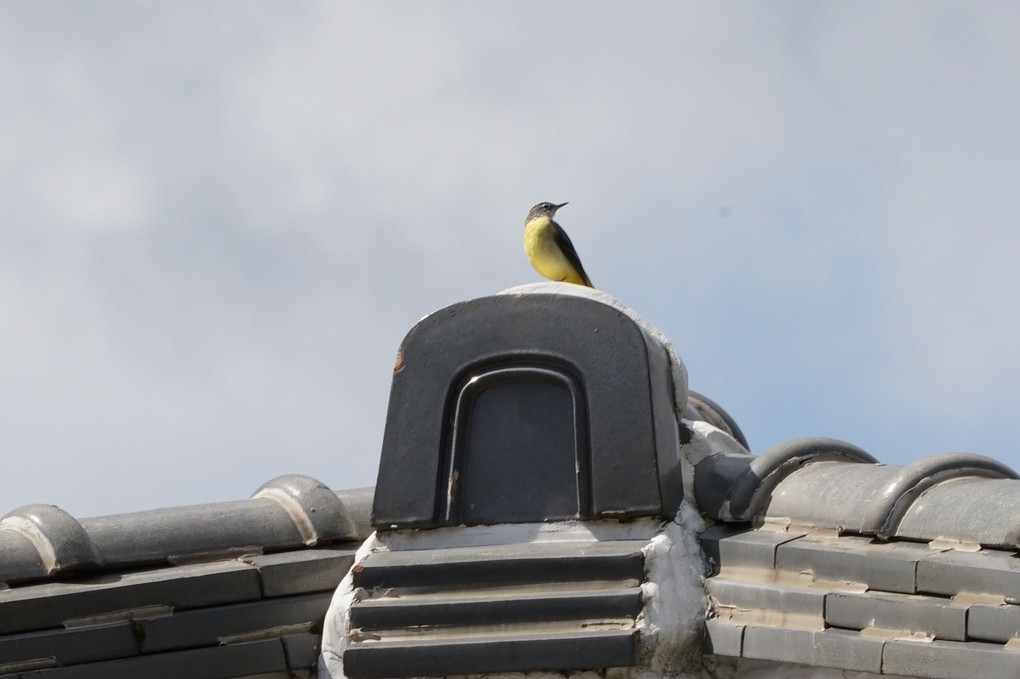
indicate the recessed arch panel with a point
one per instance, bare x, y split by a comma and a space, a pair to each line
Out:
518, 449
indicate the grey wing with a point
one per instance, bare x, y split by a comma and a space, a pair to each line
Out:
564, 244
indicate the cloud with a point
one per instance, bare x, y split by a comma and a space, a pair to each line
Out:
220, 221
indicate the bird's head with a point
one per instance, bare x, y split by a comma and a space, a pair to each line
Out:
544, 210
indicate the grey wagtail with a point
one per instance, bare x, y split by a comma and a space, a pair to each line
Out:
549, 248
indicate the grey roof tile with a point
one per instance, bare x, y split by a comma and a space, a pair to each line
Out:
978, 510
70, 646
985, 572
764, 596
830, 484
949, 660
289, 512
302, 650
893, 533
177, 592
833, 495
930, 615
56, 536
916, 480
871, 499
734, 488
723, 638
51, 604
209, 529
741, 547
358, 505
297, 572
235, 660
707, 410
713, 478
207, 626
20, 558
885, 566
986, 622
316, 511
821, 648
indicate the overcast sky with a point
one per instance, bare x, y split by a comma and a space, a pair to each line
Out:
220, 219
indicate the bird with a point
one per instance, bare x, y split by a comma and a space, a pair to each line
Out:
549, 249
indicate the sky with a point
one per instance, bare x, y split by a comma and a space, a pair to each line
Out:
218, 220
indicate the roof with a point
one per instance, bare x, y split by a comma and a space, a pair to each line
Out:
560, 427
823, 557
217, 590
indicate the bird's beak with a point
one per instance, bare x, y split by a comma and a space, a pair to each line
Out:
557, 207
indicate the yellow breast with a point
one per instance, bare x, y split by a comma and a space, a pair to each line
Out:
547, 258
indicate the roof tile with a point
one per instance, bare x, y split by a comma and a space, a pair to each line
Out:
938, 617
51, 604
